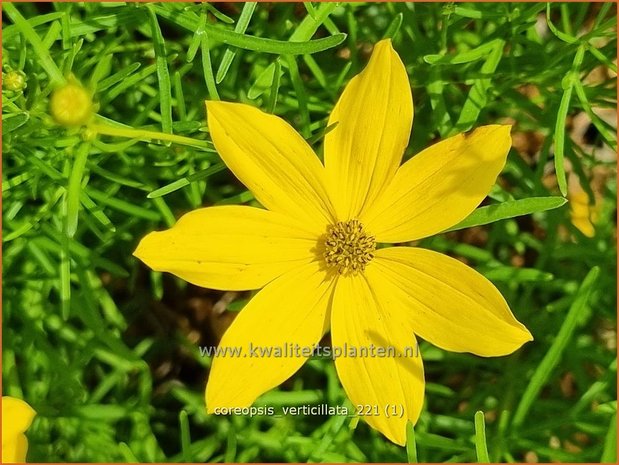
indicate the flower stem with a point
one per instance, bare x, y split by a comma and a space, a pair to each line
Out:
143, 134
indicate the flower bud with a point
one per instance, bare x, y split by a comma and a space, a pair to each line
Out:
71, 105
14, 81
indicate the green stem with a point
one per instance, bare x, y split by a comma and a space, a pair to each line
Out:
142, 134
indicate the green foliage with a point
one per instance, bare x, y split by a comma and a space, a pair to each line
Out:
105, 350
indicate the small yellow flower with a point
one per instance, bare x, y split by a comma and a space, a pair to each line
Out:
17, 416
71, 105
313, 249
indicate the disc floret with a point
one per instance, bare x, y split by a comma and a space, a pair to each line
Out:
348, 248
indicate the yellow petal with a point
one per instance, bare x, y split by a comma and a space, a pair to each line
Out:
17, 416
581, 212
440, 186
374, 116
381, 386
447, 303
230, 247
272, 160
291, 312
15, 449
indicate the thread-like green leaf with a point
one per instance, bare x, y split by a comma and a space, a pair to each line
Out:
241, 27
163, 74
117, 77
190, 21
481, 448
478, 95
411, 443
609, 454
42, 52
74, 188
510, 209
394, 26
553, 356
182, 182
559, 135
185, 436
468, 56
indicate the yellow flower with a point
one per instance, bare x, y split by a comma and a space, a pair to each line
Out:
583, 215
71, 105
17, 416
313, 249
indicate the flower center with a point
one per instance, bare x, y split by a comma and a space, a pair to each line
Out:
348, 248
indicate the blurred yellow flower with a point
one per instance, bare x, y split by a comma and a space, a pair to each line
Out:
582, 213
71, 105
313, 249
17, 416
